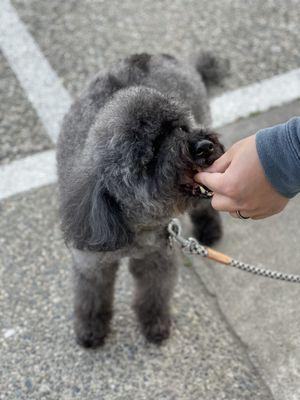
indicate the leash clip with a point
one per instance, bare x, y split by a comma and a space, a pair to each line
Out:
189, 245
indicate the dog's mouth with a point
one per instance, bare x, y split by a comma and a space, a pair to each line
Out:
197, 190
192, 188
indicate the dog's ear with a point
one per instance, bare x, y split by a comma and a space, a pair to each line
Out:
93, 220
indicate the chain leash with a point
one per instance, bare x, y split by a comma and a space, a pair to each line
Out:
192, 246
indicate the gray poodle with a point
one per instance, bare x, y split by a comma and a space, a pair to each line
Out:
126, 156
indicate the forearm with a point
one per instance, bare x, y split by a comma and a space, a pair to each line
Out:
278, 149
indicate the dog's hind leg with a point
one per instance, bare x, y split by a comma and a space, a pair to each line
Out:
155, 277
93, 302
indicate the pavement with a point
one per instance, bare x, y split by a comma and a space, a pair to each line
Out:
260, 39
234, 336
21, 132
39, 357
263, 313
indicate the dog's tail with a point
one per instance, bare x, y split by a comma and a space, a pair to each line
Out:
213, 69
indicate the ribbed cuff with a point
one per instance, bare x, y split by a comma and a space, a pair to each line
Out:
278, 149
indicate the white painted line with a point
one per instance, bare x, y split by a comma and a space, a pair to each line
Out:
39, 81
28, 173
258, 97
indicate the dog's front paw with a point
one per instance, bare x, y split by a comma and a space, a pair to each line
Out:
92, 333
157, 330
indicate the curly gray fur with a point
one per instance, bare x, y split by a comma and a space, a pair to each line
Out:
124, 148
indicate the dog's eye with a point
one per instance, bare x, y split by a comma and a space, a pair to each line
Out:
184, 128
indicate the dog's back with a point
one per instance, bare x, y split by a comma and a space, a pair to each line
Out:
181, 81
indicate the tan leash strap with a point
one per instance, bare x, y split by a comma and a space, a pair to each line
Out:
192, 246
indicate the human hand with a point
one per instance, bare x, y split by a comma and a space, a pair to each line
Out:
239, 183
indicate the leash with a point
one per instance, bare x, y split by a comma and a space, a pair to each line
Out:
192, 246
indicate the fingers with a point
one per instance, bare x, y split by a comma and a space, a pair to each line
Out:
255, 215
221, 164
263, 215
234, 215
223, 203
214, 181
244, 214
213, 177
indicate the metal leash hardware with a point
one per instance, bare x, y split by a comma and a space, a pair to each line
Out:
192, 246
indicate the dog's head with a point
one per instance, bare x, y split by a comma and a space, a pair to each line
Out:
143, 152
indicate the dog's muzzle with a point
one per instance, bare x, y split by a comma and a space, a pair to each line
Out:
202, 149
202, 154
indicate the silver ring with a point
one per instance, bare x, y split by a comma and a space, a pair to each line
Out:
240, 216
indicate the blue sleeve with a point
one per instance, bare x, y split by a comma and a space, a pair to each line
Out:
278, 149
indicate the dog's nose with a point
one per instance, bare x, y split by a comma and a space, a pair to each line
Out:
204, 148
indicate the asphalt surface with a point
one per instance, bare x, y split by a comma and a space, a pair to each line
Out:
231, 133
21, 133
260, 39
263, 312
233, 337
80, 38
39, 357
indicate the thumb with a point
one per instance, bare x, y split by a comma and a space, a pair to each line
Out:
221, 164
214, 181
